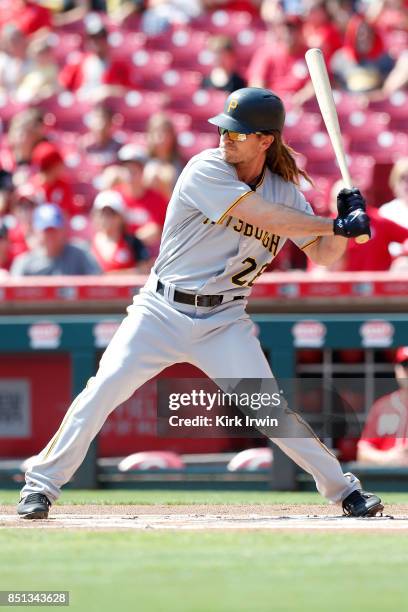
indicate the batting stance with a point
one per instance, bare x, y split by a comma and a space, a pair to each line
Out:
231, 212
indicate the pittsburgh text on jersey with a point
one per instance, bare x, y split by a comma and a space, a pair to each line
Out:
268, 240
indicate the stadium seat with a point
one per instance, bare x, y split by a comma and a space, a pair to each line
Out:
148, 66
228, 23
301, 125
64, 43
204, 103
65, 112
251, 460
362, 170
346, 103
396, 106
318, 194
134, 109
386, 147
179, 83
246, 43
362, 125
152, 460
185, 46
191, 143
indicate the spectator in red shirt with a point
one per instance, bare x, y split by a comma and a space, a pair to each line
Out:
27, 15
319, 30
363, 63
115, 250
95, 73
146, 208
384, 440
51, 183
373, 255
280, 63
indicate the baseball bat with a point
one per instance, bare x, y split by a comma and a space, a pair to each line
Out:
324, 95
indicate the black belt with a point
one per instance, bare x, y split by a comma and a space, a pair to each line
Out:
194, 299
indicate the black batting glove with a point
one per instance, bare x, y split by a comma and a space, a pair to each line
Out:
349, 200
356, 223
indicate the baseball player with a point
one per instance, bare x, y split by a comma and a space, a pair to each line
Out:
231, 212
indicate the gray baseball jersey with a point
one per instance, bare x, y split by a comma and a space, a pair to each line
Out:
204, 247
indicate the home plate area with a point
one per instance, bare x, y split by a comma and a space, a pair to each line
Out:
208, 522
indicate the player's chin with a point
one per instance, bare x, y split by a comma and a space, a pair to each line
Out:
228, 155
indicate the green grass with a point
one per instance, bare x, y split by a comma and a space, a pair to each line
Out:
170, 497
210, 572
153, 571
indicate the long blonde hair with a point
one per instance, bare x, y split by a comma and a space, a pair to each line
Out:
280, 159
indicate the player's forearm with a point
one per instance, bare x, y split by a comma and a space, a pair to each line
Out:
280, 219
326, 250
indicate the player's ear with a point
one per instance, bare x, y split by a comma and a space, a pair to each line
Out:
267, 140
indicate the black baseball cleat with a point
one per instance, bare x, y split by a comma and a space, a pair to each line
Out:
34, 506
360, 503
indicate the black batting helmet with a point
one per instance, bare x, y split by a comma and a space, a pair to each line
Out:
251, 109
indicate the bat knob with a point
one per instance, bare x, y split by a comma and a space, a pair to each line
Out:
362, 239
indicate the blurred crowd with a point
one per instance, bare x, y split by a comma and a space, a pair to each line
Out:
103, 102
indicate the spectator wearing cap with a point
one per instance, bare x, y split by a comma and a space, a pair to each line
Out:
51, 182
96, 73
224, 74
99, 143
165, 163
384, 440
374, 255
280, 63
146, 207
397, 209
5, 253
115, 250
53, 255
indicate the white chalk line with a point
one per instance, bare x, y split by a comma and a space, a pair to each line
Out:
207, 522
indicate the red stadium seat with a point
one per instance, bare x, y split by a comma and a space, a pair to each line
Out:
64, 43
318, 194
179, 83
222, 22
204, 103
246, 43
191, 143
64, 112
148, 66
301, 125
396, 107
362, 170
185, 46
362, 125
134, 109
346, 103
124, 43
386, 147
